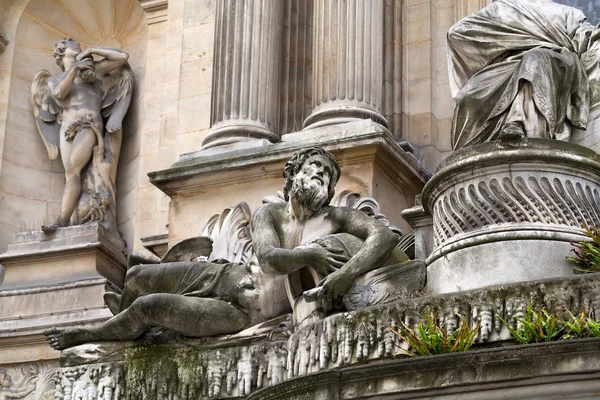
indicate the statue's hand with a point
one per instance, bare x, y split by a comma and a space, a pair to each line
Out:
335, 286
84, 64
85, 53
325, 261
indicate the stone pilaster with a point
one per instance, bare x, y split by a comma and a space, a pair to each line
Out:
246, 77
347, 62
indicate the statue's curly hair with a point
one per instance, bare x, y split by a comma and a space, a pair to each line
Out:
59, 50
295, 163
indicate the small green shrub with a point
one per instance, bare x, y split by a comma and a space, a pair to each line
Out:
430, 338
581, 325
587, 254
540, 326
536, 326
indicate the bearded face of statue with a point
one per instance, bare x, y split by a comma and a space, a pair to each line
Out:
310, 186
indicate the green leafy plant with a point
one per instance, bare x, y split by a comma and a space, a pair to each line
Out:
581, 325
536, 326
430, 338
587, 253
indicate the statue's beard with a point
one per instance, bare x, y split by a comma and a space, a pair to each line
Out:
309, 194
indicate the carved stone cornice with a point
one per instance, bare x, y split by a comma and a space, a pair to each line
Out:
156, 10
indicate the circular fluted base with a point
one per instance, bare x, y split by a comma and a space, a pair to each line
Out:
505, 213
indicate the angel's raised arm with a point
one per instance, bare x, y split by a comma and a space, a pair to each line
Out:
112, 60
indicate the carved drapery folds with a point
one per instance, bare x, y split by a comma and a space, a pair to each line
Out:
245, 94
347, 62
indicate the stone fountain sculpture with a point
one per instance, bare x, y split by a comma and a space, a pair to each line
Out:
294, 240
524, 75
79, 114
528, 68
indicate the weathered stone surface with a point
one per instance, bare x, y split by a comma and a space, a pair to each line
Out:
28, 380
66, 255
324, 358
538, 82
496, 203
551, 370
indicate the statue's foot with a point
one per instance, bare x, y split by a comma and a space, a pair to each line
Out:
512, 131
51, 228
113, 301
63, 338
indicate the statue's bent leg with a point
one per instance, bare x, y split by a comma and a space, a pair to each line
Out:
81, 154
191, 316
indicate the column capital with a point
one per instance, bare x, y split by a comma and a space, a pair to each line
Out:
156, 10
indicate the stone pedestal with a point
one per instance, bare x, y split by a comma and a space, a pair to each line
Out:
348, 62
245, 96
70, 254
372, 164
507, 213
55, 280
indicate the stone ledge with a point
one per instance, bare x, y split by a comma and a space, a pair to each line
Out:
194, 171
350, 355
70, 254
550, 370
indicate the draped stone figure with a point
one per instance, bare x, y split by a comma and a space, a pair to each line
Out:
218, 296
522, 68
79, 114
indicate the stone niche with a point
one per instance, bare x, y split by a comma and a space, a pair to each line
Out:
31, 185
505, 213
55, 279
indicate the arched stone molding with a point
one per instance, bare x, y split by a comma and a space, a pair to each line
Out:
30, 184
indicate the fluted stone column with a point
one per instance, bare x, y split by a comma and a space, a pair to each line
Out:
347, 62
246, 73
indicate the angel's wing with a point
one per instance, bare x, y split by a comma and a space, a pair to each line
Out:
118, 89
46, 111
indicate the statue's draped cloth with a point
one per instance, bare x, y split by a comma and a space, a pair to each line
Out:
491, 52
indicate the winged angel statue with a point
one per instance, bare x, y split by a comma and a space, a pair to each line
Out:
79, 114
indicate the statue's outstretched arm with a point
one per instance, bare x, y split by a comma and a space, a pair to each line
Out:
112, 60
379, 240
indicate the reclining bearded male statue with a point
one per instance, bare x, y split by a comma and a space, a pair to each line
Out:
201, 299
